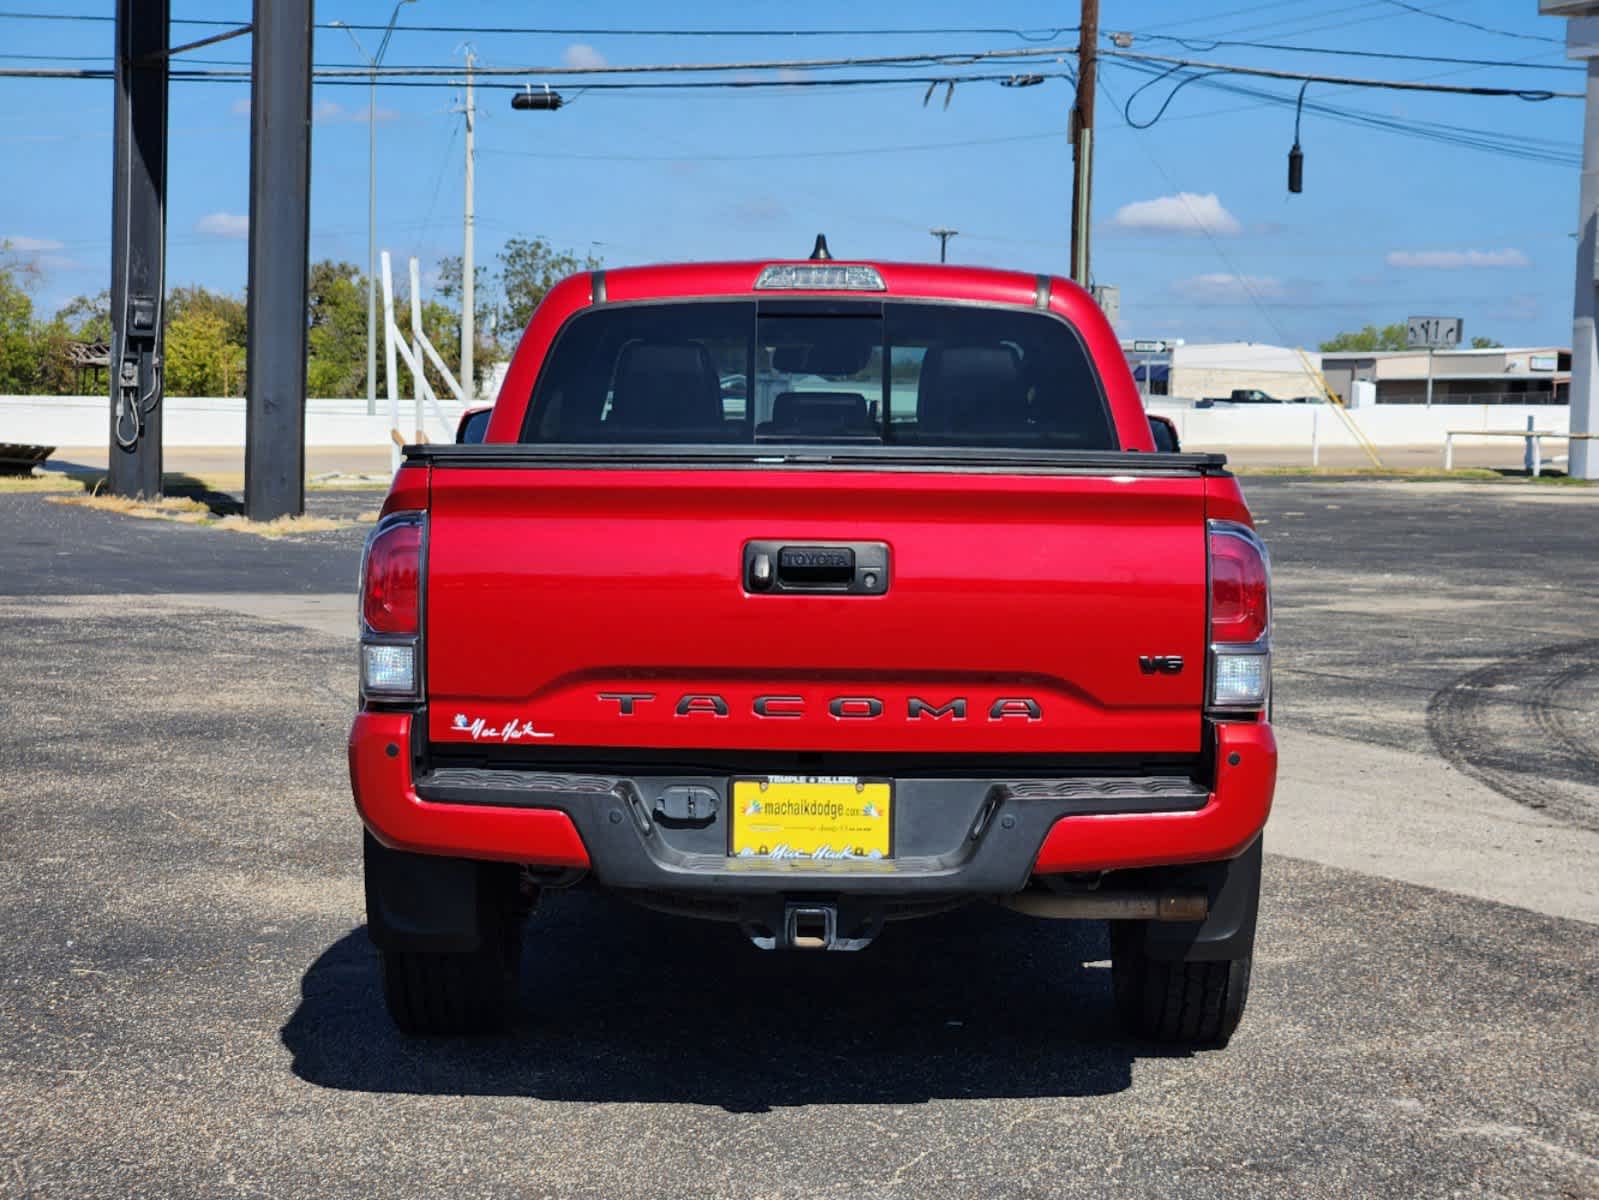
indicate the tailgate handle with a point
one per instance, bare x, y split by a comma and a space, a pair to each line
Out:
815, 565
841, 568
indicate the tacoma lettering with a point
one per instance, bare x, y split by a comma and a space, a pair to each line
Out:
842, 708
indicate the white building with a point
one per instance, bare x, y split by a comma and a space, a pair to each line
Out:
1503, 375
1215, 370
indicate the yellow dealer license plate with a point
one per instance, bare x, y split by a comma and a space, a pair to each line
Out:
802, 818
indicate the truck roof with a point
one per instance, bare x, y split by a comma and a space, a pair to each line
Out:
933, 281
920, 281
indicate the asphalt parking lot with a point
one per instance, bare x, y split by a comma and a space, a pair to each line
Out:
189, 1005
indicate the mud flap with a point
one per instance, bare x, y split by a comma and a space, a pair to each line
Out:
421, 902
1228, 932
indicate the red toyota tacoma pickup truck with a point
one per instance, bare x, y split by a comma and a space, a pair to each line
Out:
810, 596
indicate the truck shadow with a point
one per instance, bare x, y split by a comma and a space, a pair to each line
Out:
620, 1004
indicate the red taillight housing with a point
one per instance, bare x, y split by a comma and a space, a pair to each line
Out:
391, 586
391, 608
1240, 585
1240, 618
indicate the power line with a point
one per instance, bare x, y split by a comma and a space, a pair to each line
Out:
1438, 16
1404, 85
1205, 45
787, 155
1038, 33
339, 79
954, 58
1519, 146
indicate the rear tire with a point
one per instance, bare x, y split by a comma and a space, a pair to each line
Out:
458, 992
1174, 1001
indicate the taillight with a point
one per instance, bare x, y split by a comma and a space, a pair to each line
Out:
1240, 618
391, 608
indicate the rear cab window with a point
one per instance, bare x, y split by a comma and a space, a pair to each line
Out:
819, 370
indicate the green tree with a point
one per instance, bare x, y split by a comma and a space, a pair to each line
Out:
485, 350
1482, 343
206, 336
337, 318
201, 360
18, 357
54, 374
529, 268
230, 310
1389, 337
87, 318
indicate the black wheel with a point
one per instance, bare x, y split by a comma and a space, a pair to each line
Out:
462, 992
1192, 1003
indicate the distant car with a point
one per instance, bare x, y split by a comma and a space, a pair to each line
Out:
473, 425
1164, 431
1254, 396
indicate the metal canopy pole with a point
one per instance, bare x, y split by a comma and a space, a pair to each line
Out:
138, 246
280, 200
1583, 455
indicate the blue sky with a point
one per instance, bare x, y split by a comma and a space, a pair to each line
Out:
1388, 224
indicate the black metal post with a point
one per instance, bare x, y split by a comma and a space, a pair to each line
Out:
280, 204
138, 246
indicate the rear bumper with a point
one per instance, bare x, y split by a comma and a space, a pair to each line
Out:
954, 837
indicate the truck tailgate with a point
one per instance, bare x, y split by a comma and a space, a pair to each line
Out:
608, 607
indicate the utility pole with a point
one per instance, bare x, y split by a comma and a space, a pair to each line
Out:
943, 236
1083, 139
138, 246
1582, 43
468, 312
280, 221
373, 61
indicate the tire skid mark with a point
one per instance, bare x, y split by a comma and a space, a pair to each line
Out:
1516, 726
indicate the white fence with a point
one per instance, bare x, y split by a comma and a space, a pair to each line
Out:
1386, 424
85, 421
187, 421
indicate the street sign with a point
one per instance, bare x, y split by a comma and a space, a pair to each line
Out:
1432, 333
1141, 347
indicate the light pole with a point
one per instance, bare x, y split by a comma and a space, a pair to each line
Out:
372, 61
943, 236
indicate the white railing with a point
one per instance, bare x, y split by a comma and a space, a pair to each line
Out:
413, 356
1533, 458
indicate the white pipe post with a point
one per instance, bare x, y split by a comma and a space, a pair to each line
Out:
438, 364
389, 363
416, 343
371, 243
1449, 451
1315, 437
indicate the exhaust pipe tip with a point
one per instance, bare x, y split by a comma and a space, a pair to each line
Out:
1111, 906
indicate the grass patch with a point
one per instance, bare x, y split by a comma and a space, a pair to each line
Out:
279, 526
39, 483
215, 511
167, 508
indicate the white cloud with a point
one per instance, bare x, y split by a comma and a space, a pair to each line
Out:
223, 224
327, 112
28, 245
1456, 260
1186, 212
1222, 288
581, 54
